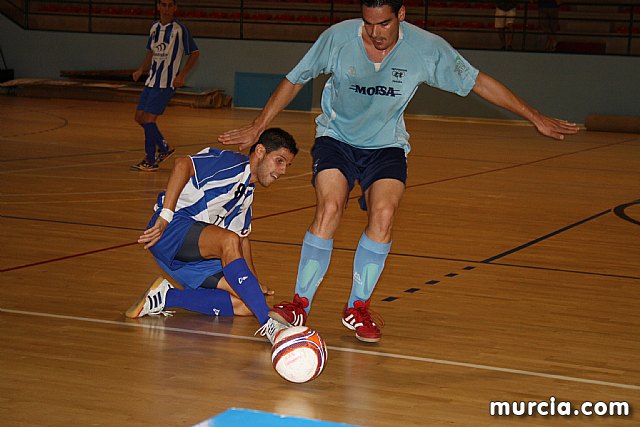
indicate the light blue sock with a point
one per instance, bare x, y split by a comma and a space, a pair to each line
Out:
367, 267
314, 262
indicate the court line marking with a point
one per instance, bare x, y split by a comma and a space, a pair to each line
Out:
545, 237
47, 261
340, 349
116, 192
271, 242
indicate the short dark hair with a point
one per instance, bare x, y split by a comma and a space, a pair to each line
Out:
274, 139
395, 5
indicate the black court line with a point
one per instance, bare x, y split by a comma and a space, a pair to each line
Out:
420, 185
299, 245
540, 239
466, 261
65, 123
620, 212
438, 181
563, 270
532, 162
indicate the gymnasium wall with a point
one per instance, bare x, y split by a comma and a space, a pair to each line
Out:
563, 85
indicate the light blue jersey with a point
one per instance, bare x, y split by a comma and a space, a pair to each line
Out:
220, 193
363, 104
168, 43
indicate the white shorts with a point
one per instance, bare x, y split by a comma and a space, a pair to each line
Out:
505, 18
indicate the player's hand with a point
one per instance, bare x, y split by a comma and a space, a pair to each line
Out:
178, 81
151, 235
267, 291
136, 75
244, 137
555, 128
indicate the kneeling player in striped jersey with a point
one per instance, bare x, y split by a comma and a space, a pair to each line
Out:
198, 233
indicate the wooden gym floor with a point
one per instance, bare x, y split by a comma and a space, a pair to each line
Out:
514, 276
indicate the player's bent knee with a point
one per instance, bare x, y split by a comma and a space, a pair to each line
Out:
216, 242
331, 210
231, 246
381, 219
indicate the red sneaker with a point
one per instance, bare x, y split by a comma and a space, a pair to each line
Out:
359, 319
291, 313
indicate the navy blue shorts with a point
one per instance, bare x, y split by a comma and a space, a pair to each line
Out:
154, 100
358, 164
191, 273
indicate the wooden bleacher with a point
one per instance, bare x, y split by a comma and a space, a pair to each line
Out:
108, 85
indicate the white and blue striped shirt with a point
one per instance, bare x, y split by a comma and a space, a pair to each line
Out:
220, 192
168, 43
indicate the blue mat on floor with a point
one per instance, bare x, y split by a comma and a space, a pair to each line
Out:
245, 417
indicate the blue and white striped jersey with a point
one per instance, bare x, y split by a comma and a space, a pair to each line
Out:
168, 43
220, 192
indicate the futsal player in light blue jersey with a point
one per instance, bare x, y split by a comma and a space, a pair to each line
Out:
375, 65
169, 40
199, 232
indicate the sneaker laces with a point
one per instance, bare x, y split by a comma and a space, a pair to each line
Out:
288, 305
263, 330
165, 313
367, 315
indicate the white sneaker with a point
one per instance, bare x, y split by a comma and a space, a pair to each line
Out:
152, 301
271, 329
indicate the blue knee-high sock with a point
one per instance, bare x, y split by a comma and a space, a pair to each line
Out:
158, 138
246, 285
367, 267
150, 141
314, 263
214, 302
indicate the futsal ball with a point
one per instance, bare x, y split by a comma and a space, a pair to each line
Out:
298, 354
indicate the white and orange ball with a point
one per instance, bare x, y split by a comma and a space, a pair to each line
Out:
298, 354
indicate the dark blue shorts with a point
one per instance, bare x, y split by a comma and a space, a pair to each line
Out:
154, 100
193, 273
358, 164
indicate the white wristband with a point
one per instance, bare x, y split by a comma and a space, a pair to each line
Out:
166, 214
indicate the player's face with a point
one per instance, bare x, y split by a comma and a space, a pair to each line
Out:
167, 9
382, 25
272, 165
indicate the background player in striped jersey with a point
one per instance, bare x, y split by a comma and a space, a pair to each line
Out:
198, 233
376, 65
168, 40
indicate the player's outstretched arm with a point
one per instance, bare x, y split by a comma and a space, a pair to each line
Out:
246, 136
498, 94
180, 175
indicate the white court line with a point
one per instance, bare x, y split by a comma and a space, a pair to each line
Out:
342, 349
